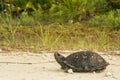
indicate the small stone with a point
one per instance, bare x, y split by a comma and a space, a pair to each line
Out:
94, 72
70, 71
108, 74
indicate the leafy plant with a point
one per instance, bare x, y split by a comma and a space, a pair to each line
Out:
108, 21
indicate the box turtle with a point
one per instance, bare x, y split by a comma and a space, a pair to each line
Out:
83, 61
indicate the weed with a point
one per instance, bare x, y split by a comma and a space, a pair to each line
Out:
54, 37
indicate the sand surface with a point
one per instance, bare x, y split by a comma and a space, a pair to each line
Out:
29, 66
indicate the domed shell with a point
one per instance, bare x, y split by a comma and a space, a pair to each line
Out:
85, 61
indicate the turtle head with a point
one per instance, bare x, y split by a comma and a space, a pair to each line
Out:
60, 59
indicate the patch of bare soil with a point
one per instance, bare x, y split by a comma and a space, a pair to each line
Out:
28, 66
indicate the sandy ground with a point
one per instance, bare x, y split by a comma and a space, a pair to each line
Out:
29, 66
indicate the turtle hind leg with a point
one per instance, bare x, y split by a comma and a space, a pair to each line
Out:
60, 59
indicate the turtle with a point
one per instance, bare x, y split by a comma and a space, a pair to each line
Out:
82, 61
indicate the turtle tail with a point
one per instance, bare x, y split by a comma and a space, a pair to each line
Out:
60, 59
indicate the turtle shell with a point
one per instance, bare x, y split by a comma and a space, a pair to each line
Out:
84, 61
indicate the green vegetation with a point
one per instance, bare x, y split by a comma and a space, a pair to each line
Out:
56, 36
37, 25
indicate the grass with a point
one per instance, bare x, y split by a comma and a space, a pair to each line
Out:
67, 24
55, 37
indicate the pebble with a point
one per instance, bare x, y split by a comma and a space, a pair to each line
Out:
94, 72
70, 71
108, 74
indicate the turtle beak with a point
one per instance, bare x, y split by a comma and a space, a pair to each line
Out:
59, 56
56, 54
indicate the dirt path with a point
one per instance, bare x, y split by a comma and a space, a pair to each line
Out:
28, 66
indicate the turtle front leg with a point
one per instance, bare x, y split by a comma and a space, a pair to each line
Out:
68, 70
